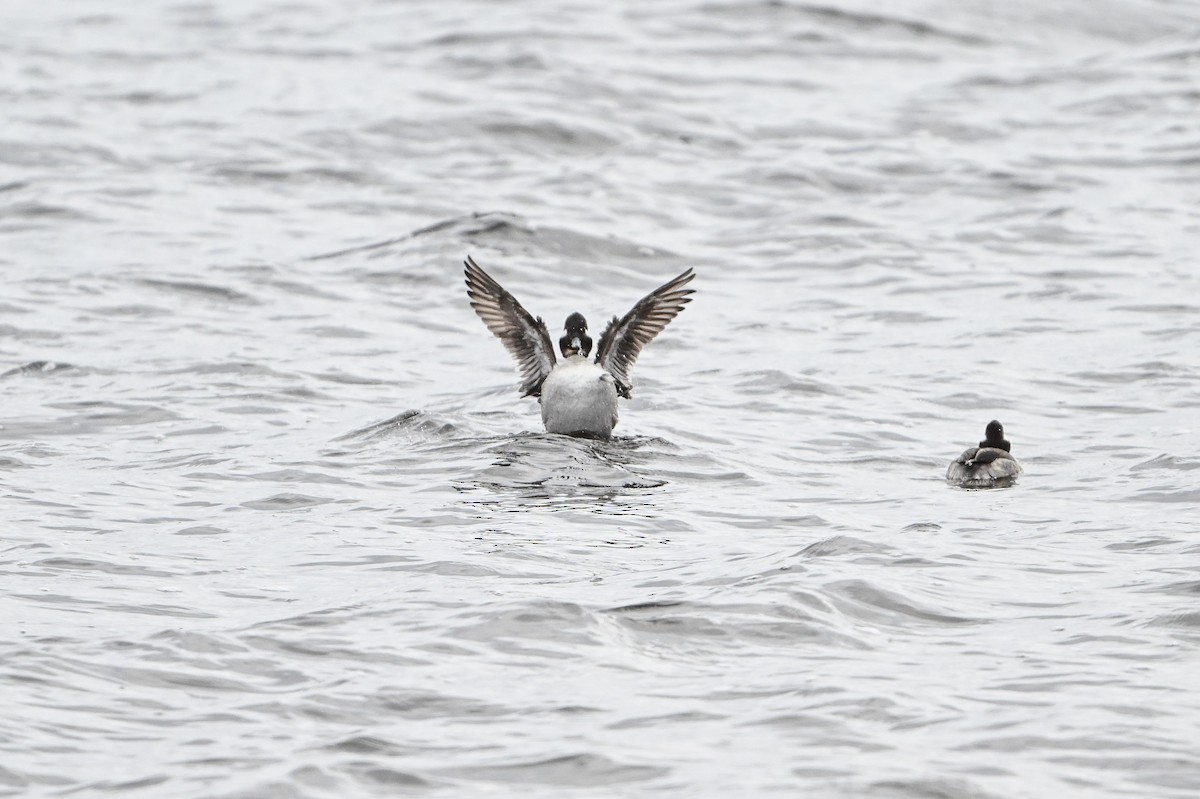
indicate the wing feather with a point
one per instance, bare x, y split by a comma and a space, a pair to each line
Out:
525, 337
623, 339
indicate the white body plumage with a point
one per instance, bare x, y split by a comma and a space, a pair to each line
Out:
579, 397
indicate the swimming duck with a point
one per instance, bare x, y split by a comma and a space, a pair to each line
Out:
578, 396
989, 465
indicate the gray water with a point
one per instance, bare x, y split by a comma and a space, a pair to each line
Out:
275, 522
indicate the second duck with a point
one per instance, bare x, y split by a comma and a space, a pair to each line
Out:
990, 465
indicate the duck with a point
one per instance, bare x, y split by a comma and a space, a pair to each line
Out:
990, 465
578, 394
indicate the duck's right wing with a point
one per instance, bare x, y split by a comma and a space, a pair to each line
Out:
987, 455
624, 338
968, 456
525, 337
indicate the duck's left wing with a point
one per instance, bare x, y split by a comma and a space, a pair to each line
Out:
525, 337
624, 338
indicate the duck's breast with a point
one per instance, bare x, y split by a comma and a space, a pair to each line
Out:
579, 397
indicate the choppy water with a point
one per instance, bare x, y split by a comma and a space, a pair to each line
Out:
276, 524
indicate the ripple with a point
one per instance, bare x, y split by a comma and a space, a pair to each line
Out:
560, 462
579, 770
1167, 462
285, 502
860, 599
37, 368
207, 291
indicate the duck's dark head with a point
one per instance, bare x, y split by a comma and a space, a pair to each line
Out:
576, 341
993, 436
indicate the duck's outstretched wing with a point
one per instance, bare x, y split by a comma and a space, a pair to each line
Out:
525, 337
624, 338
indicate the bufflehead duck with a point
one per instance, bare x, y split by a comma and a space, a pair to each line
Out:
989, 465
578, 396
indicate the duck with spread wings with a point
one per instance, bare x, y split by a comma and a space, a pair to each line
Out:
578, 396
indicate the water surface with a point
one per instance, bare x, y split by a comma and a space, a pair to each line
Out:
275, 522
